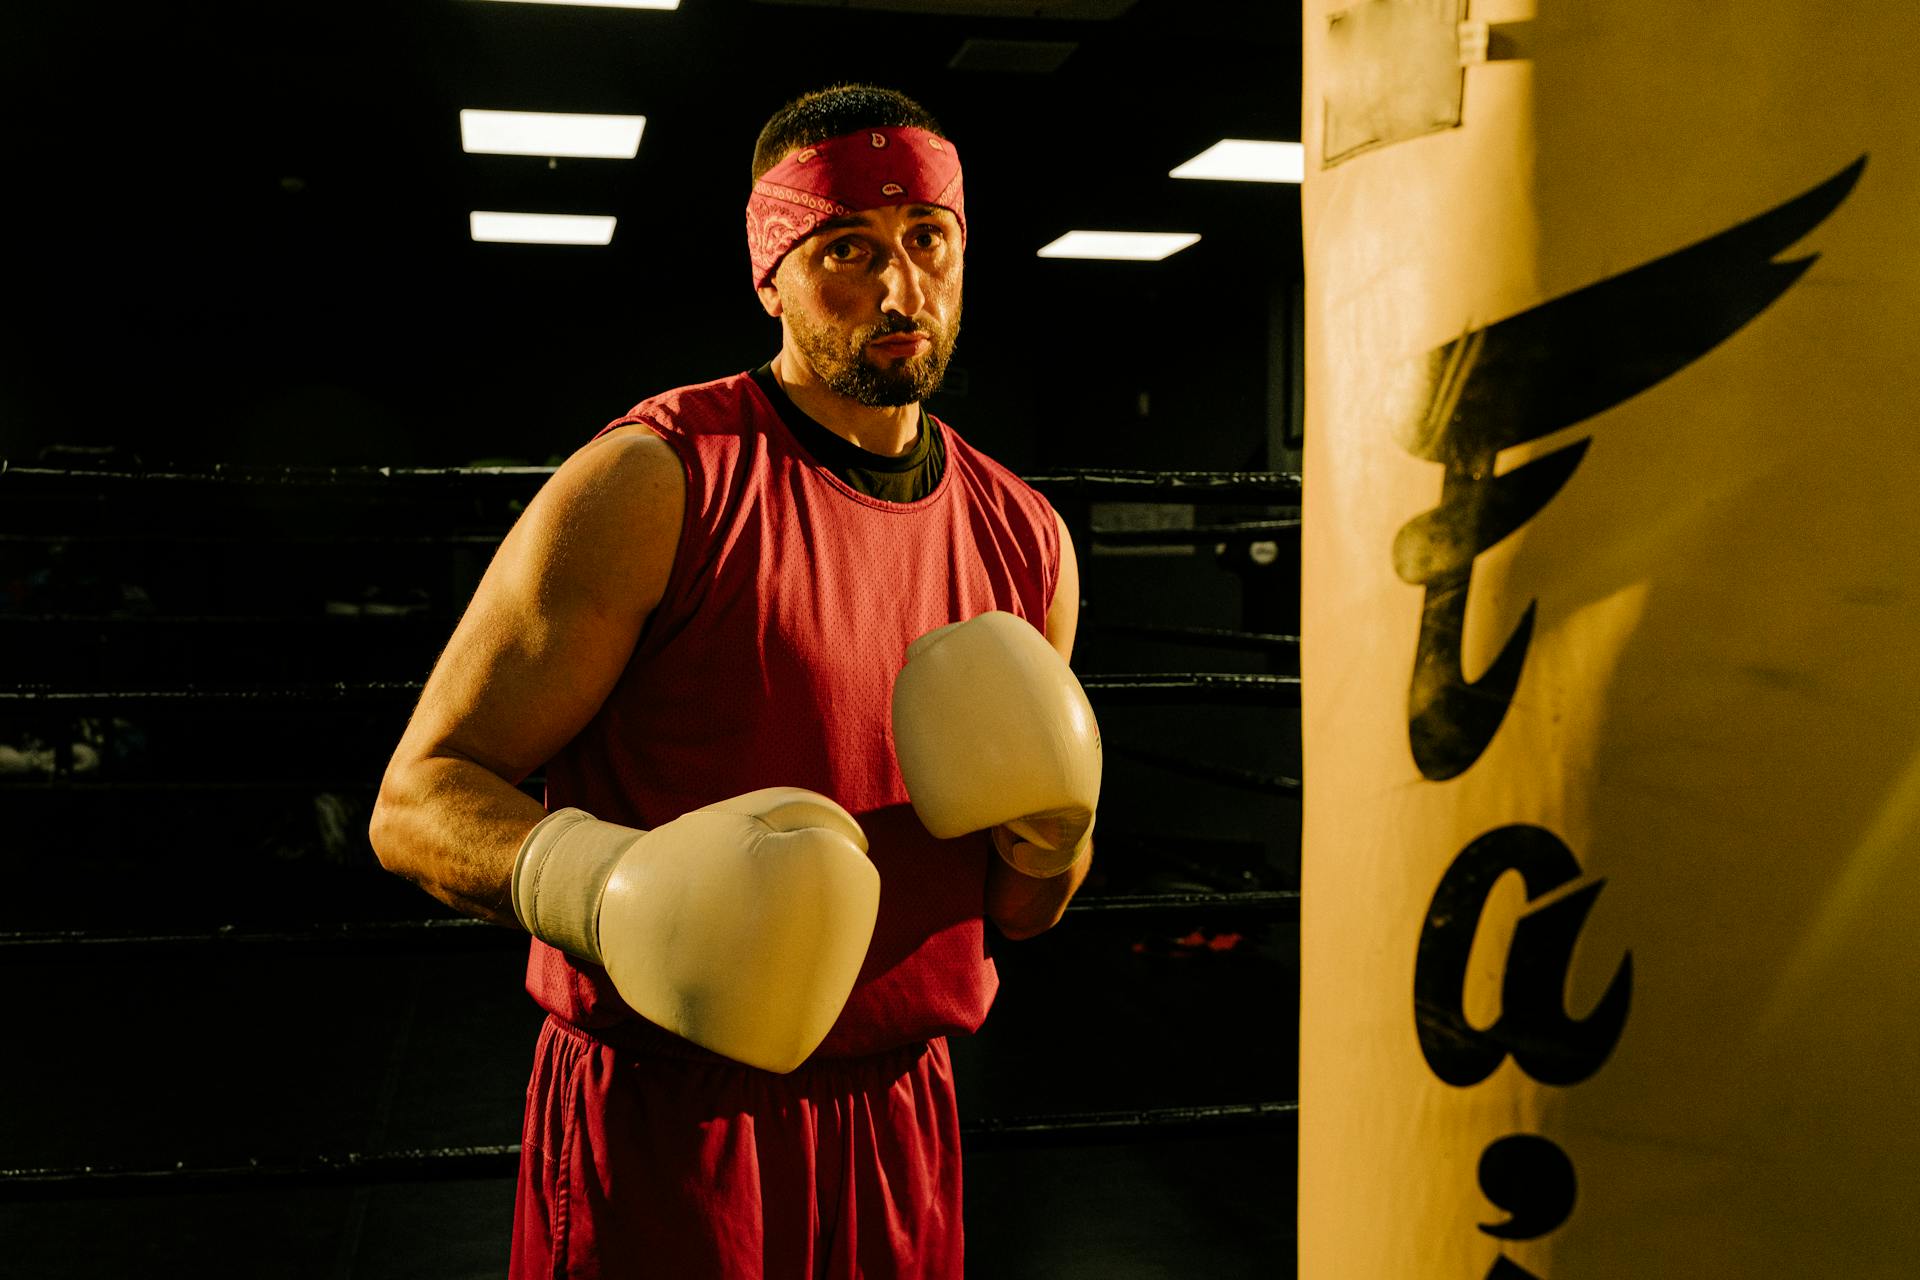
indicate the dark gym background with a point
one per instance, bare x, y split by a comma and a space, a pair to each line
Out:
239, 278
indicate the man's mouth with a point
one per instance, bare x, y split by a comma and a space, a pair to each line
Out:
902, 344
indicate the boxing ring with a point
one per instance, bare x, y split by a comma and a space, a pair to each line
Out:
168, 690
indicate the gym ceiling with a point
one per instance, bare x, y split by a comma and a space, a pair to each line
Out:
216, 207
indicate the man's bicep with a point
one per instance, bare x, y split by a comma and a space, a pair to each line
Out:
1063, 613
555, 618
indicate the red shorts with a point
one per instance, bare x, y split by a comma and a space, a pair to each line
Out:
688, 1167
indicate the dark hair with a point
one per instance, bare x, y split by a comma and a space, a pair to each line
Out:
830, 112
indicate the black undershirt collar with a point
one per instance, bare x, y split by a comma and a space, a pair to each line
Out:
908, 478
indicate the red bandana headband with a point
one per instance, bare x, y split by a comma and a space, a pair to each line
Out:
844, 175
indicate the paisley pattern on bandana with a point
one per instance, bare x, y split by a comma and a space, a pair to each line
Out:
865, 170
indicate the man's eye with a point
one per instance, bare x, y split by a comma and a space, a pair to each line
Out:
843, 250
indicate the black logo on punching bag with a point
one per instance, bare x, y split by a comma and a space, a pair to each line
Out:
1532, 1179
1533, 1027
1531, 375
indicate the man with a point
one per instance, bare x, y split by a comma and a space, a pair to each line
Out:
750, 945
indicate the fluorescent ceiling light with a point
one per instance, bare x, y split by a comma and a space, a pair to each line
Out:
1136, 246
550, 133
541, 228
605, 4
1244, 160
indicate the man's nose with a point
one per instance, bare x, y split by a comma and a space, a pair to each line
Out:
905, 285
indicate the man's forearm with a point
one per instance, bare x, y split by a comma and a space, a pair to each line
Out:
1023, 905
453, 828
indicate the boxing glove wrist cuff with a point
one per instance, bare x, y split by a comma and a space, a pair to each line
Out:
560, 875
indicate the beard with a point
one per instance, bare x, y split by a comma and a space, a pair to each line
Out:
842, 362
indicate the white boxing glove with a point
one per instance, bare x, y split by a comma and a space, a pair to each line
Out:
992, 730
740, 926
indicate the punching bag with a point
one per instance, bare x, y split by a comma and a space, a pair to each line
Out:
1611, 641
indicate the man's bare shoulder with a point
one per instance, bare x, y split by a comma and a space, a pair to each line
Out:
626, 466
620, 499
626, 431
632, 448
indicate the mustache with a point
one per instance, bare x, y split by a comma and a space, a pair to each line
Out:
897, 324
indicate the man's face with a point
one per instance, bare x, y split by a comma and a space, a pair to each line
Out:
872, 300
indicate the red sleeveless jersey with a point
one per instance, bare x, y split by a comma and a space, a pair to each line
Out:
770, 662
